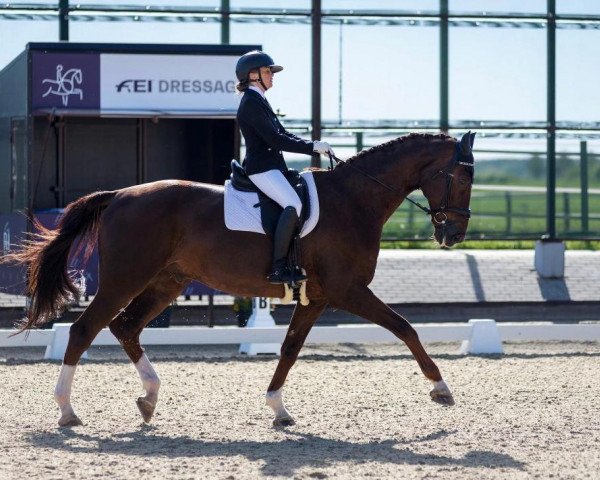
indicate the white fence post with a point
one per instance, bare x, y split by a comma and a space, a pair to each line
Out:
478, 336
483, 338
56, 350
549, 259
261, 317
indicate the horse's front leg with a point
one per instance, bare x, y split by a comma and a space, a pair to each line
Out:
363, 302
303, 319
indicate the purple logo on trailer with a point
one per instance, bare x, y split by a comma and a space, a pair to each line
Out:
66, 80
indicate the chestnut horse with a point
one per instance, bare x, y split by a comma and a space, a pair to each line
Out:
155, 238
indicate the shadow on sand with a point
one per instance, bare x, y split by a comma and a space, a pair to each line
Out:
281, 458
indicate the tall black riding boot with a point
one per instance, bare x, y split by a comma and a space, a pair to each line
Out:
286, 227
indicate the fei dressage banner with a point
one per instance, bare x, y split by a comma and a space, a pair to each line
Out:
76, 118
116, 82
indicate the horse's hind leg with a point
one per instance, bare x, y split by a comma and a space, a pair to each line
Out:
303, 319
81, 334
128, 326
361, 301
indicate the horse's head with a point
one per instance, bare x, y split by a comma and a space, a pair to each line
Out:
448, 192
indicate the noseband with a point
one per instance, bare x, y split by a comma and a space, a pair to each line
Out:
438, 215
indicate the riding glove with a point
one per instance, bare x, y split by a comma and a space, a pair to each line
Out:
322, 147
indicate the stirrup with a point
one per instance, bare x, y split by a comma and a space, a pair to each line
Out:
292, 277
298, 275
280, 276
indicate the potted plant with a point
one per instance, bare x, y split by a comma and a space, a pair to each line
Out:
242, 306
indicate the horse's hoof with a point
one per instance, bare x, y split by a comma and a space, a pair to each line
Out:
442, 397
70, 420
284, 422
146, 408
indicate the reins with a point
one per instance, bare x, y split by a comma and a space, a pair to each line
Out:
434, 212
368, 175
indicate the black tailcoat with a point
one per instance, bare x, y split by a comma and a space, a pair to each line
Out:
265, 136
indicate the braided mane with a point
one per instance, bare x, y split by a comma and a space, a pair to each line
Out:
396, 141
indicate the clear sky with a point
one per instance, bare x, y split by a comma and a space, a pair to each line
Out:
388, 72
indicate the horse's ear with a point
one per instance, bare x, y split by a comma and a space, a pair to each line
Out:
472, 140
465, 143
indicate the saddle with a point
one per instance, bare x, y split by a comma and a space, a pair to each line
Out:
269, 216
269, 209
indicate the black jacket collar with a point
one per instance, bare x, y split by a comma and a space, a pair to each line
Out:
255, 93
260, 97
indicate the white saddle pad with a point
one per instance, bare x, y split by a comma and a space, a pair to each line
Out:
240, 213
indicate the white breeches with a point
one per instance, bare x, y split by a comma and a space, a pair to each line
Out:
275, 186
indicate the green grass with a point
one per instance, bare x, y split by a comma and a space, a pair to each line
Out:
498, 215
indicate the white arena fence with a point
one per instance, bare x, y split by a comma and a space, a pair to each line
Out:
479, 336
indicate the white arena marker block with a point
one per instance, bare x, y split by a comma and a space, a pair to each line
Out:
549, 259
56, 350
483, 338
261, 317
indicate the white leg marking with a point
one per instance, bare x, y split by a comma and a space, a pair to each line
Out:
441, 393
440, 386
275, 401
62, 392
150, 380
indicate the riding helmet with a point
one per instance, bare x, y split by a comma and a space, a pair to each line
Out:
253, 60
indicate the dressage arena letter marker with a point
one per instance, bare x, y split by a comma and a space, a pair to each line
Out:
261, 317
56, 350
484, 338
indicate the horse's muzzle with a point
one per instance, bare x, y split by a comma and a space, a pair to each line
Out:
448, 234
459, 237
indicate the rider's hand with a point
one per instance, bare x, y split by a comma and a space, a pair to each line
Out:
322, 147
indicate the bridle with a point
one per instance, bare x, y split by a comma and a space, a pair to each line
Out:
438, 215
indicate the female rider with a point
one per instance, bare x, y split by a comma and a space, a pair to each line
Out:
265, 140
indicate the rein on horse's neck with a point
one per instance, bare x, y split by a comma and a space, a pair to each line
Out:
395, 169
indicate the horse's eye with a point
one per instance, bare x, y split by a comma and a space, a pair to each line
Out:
462, 180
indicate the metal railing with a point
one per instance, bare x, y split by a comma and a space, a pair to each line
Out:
500, 211
444, 17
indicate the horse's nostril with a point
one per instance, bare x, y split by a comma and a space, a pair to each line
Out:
459, 237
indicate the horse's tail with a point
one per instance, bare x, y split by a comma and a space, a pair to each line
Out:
49, 285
